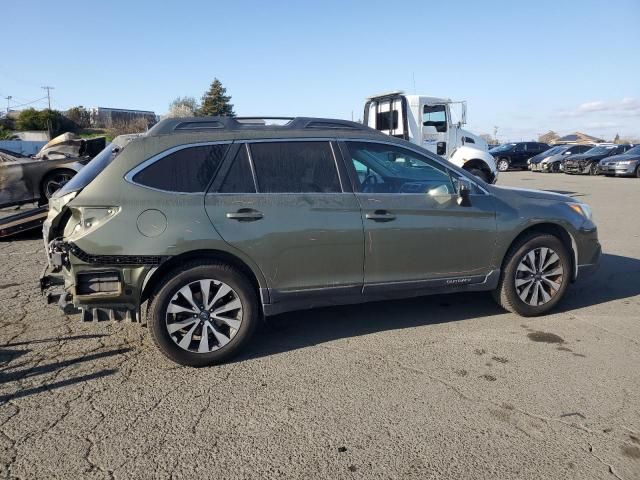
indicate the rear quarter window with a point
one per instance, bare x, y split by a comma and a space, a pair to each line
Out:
188, 170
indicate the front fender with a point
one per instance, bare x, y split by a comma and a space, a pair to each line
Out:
466, 154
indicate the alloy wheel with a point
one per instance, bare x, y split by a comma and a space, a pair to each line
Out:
539, 276
204, 316
503, 165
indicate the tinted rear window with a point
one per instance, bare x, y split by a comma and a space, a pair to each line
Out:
188, 170
295, 167
89, 172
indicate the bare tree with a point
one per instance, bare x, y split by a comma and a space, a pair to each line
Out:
183, 107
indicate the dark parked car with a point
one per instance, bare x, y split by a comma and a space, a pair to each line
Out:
623, 165
551, 160
587, 163
30, 179
235, 220
515, 155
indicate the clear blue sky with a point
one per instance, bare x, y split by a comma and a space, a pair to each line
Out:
523, 66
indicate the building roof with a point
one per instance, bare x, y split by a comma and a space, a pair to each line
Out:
578, 137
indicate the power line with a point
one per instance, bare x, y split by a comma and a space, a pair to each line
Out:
29, 103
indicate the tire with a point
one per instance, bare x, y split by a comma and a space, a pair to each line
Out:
555, 168
593, 169
503, 165
638, 171
480, 174
222, 341
519, 299
53, 181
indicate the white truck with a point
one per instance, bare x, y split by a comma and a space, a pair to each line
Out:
427, 121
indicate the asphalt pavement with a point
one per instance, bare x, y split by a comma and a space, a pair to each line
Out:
433, 387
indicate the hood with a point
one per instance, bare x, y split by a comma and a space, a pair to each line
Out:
534, 194
555, 158
622, 157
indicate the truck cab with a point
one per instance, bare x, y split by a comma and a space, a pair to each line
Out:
428, 122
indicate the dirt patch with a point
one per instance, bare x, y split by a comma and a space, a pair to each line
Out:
564, 349
8, 285
499, 359
479, 351
634, 439
488, 378
631, 452
462, 372
544, 337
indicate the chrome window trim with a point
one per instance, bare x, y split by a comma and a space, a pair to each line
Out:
251, 167
424, 153
158, 156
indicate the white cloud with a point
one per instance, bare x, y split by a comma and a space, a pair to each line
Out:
627, 107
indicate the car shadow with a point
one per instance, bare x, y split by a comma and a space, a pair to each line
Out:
13, 373
617, 278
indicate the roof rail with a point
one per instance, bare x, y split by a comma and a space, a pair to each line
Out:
200, 124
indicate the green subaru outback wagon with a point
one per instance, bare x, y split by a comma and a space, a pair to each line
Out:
217, 222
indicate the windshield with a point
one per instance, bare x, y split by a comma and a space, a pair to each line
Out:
554, 151
503, 148
90, 171
633, 151
599, 150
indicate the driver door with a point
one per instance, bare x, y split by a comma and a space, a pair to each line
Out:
414, 229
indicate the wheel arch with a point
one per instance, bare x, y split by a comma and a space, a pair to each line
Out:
558, 231
479, 164
155, 276
50, 173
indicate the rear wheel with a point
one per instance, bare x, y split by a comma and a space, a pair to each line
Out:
638, 171
503, 165
203, 314
536, 274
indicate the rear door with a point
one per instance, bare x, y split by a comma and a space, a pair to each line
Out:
284, 204
415, 231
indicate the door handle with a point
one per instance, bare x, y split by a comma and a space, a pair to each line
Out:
245, 215
380, 216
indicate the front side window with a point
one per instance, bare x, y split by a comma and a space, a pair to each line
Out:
295, 167
188, 170
435, 116
384, 168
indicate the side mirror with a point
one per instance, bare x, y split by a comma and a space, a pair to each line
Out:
464, 191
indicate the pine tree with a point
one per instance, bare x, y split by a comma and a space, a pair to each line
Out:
216, 102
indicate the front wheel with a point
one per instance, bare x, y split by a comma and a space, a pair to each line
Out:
535, 276
480, 174
503, 165
593, 169
638, 171
203, 314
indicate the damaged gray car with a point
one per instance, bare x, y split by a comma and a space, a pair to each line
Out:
36, 179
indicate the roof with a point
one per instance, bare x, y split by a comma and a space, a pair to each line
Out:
252, 127
578, 137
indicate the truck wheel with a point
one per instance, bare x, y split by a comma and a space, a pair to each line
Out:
479, 173
535, 276
203, 314
503, 165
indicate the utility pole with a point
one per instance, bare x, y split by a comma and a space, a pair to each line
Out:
8, 99
495, 133
48, 89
